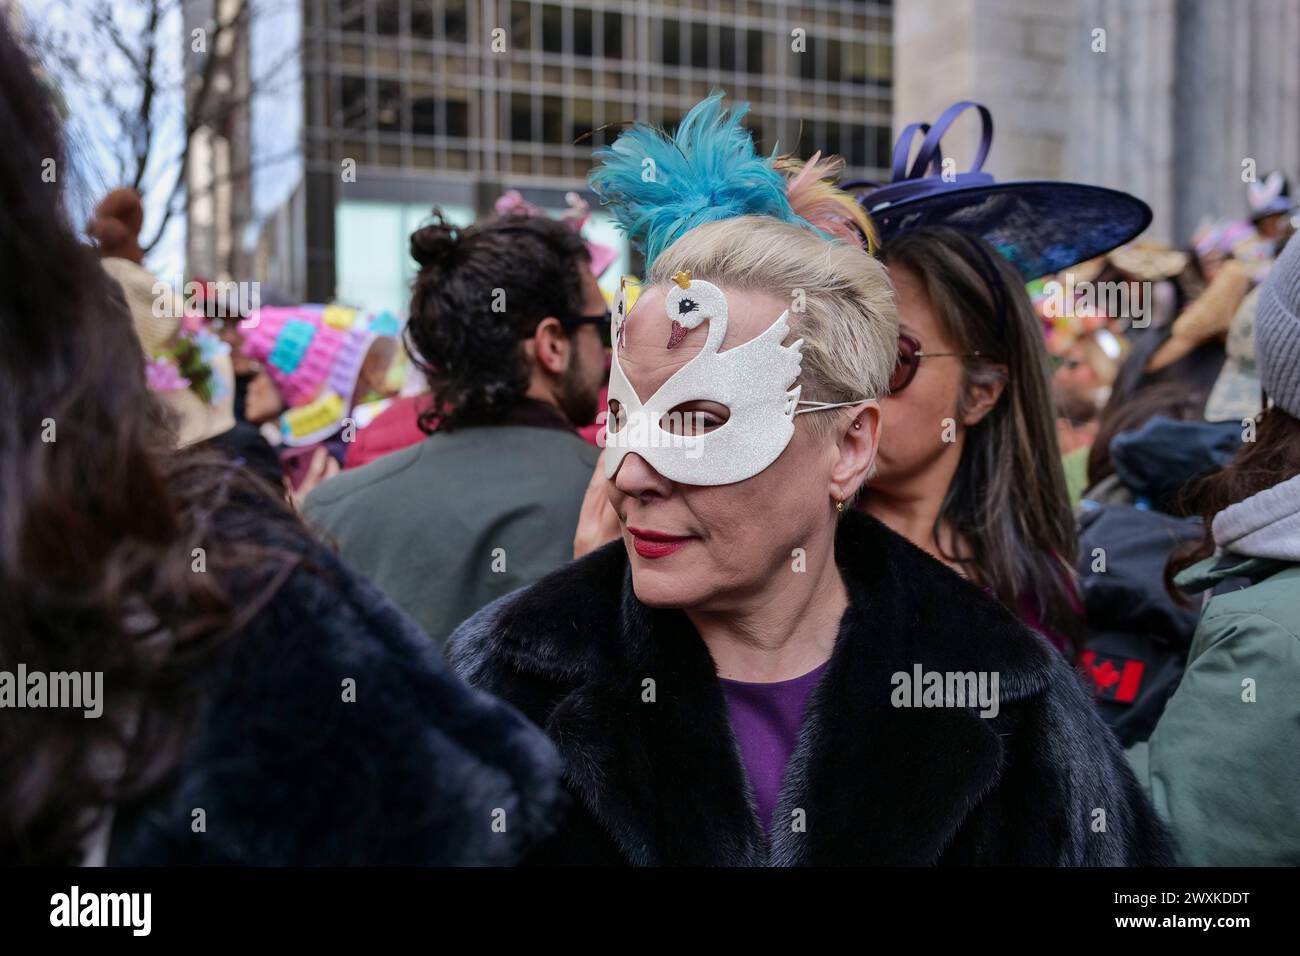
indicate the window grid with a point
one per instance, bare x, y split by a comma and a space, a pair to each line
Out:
516, 114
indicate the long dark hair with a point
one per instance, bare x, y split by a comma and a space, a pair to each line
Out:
1272, 458
1008, 498
1168, 399
479, 293
117, 555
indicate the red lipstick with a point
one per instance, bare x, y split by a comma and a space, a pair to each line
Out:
656, 544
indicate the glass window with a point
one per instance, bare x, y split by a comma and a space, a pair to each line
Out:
458, 118
808, 60
834, 60
856, 156
855, 63
352, 109
552, 119
521, 25
352, 16
880, 63
672, 43
584, 121
422, 19
699, 46
833, 144
424, 116
727, 48
388, 17
883, 157
753, 51
613, 35
388, 114
583, 32
456, 19
552, 29
521, 117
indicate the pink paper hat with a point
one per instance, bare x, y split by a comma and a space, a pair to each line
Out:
309, 348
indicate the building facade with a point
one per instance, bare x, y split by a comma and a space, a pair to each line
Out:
1173, 100
408, 103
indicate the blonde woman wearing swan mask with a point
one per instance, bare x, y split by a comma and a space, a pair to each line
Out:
727, 682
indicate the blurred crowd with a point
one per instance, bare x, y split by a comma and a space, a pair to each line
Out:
245, 511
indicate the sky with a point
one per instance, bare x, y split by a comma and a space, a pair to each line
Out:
94, 138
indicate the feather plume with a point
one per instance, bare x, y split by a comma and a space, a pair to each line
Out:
814, 197
659, 186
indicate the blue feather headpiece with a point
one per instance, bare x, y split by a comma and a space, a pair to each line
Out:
658, 187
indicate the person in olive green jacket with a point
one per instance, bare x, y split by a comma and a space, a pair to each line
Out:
506, 324
1221, 764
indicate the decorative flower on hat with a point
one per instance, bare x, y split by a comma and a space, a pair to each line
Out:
513, 203
162, 375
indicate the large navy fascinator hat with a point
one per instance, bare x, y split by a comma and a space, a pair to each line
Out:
1040, 227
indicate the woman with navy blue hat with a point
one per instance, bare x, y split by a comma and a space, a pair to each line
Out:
969, 467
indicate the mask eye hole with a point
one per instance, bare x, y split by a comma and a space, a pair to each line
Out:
690, 419
617, 418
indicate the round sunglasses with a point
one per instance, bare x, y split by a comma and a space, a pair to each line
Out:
909, 360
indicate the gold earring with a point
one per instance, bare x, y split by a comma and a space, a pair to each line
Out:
839, 507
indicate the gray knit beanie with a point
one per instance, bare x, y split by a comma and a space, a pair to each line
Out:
1277, 330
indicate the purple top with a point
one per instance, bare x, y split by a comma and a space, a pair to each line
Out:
766, 719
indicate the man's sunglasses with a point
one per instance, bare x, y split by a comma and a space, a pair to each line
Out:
909, 360
601, 322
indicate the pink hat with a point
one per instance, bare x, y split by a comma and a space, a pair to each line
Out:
311, 351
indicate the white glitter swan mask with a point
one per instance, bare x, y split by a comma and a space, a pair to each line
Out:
754, 381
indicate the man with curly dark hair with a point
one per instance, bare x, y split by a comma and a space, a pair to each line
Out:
506, 321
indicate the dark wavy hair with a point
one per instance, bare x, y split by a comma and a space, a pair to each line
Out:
480, 292
1272, 458
1168, 399
100, 522
1008, 498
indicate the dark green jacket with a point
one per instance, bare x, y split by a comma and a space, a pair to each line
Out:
459, 519
1220, 767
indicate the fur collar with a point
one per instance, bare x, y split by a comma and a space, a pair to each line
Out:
665, 778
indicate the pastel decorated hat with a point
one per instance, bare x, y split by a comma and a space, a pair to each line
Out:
315, 355
1271, 196
513, 203
1041, 227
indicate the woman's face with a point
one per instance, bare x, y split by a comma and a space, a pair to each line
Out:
917, 420
716, 547
262, 402
1076, 370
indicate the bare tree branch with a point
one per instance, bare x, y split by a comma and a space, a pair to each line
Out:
119, 53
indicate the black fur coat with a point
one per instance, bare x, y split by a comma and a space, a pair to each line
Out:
416, 768
1042, 783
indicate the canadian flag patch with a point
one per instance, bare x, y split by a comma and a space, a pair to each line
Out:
1113, 678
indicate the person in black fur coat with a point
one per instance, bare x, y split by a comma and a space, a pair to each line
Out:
1043, 783
756, 674
333, 732
243, 696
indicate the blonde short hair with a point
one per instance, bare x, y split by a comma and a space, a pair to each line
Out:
842, 304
